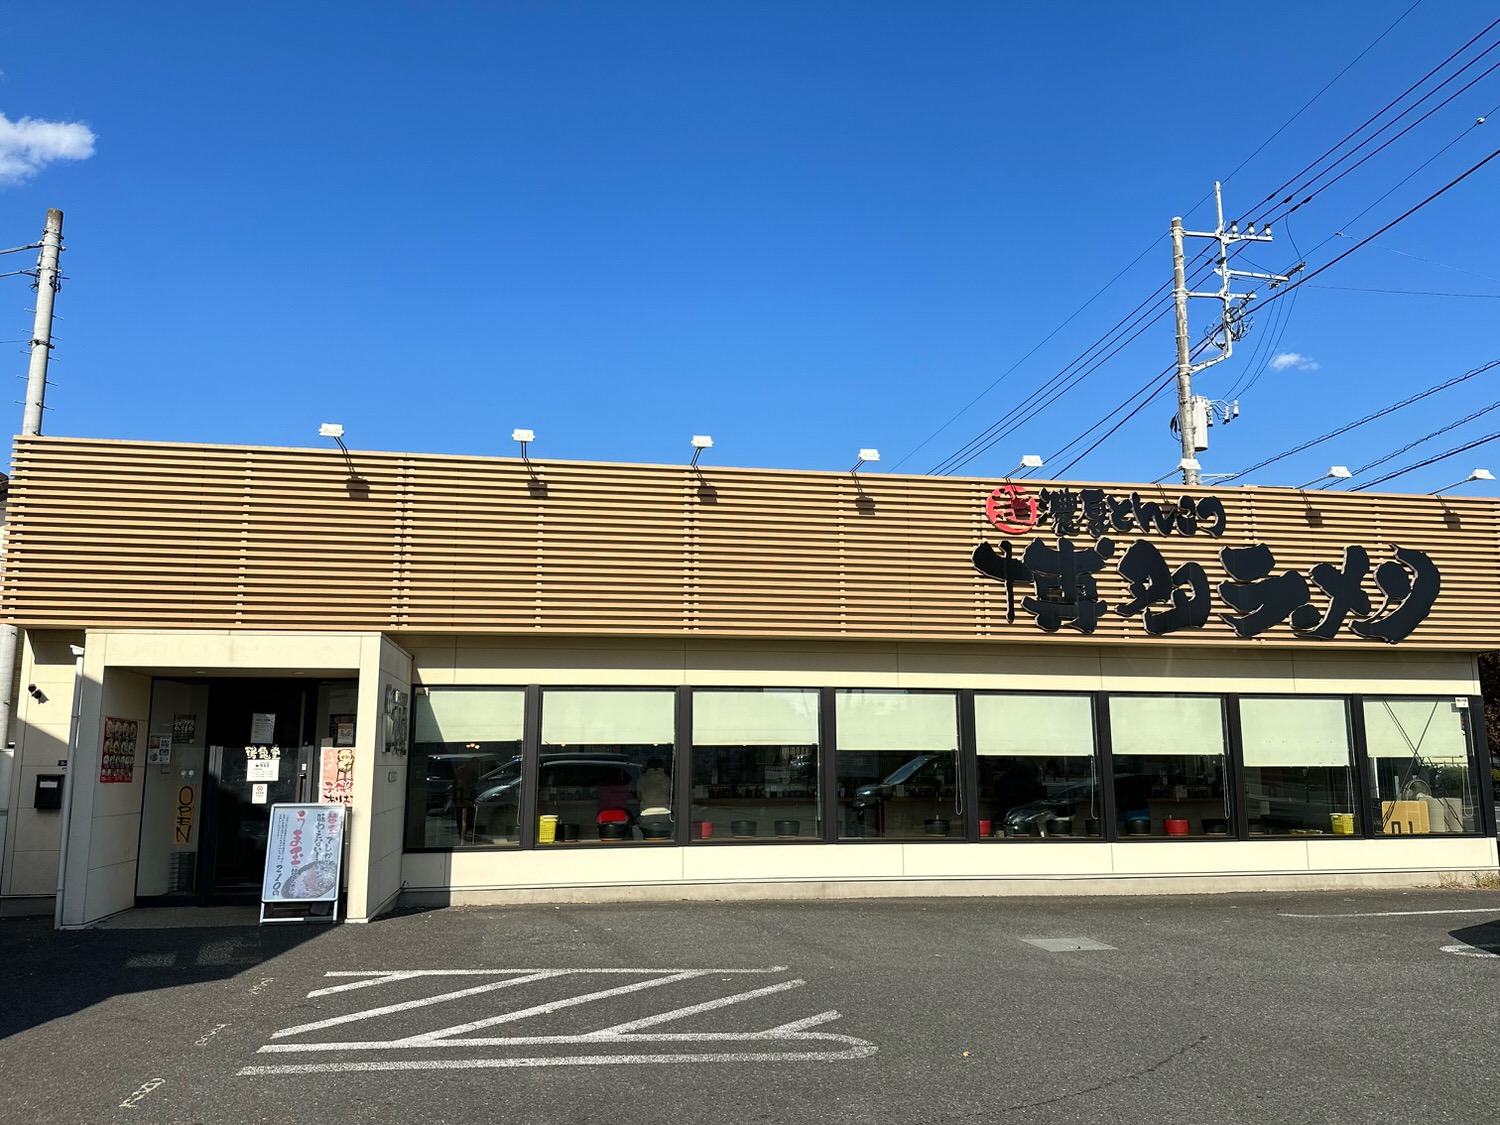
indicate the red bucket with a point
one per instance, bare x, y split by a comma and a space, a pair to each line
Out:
1175, 826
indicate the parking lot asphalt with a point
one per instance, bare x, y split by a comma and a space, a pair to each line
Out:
1330, 1007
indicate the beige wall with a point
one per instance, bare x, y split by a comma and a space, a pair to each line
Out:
923, 868
41, 729
377, 823
118, 669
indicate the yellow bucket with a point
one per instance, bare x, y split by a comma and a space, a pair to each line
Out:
1343, 823
547, 830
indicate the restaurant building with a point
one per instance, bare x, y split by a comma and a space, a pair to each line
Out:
553, 681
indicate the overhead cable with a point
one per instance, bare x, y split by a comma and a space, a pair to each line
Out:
1344, 429
1454, 452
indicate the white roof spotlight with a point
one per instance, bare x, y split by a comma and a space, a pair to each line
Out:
1334, 473
866, 456
1477, 474
700, 443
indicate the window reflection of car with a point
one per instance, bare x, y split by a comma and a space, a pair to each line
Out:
926, 775
578, 779
440, 771
1058, 806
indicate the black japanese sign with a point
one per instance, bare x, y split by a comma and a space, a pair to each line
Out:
1061, 589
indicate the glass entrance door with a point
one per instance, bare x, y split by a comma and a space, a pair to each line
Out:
261, 752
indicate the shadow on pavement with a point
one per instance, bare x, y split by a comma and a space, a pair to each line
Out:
1484, 937
51, 974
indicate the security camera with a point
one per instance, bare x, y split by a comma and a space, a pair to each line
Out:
37, 693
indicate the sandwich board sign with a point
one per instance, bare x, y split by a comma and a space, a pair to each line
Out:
304, 853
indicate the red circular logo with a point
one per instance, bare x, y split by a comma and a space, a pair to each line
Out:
1011, 510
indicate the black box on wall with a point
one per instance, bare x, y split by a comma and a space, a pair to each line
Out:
48, 791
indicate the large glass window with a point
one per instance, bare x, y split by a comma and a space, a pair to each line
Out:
1169, 765
1299, 776
755, 765
466, 743
1037, 777
1420, 751
606, 767
898, 775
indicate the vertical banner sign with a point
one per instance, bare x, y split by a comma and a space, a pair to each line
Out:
336, 778
182, 824
303, 850
117, 758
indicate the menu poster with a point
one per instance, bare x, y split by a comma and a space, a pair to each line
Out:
303, 851
117, 759
184, 729
262, 728
336, 778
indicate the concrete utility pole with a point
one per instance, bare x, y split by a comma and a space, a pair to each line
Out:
1184, 358
48, 281
1195, 409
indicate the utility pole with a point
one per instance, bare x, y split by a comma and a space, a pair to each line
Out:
48, 281
1232, 325
1185, 426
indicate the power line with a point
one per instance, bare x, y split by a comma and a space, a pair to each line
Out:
1390, 141
1365, 468
1454, 452
1308, 104
1135, 261
1009, 370
1344, 429
1294, 286
1406, 292
1372, 118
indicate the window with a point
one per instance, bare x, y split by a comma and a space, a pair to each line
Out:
1037, 774
755, 765
1299, 777
898, 775
605, 773
465, 743
1169, 765
1420, 766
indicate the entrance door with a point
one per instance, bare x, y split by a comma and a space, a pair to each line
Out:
250, 744
260, 738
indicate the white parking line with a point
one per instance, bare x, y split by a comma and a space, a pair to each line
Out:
798, 1042
1400, 913
1473, 950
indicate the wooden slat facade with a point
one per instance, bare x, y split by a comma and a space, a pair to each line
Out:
145, 534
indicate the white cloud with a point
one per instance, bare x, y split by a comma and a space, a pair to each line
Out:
28, 145
1282, 360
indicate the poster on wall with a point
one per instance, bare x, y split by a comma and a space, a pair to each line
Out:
117, 760
158, 749
184, 729
304, 848
336, 775
342, 729
262, 728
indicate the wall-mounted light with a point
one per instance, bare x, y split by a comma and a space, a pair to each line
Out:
700, 443
1477, 474
866, 456
1030, 462
1335, 472
335, 430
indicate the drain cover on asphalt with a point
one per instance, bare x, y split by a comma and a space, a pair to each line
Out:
1066, 944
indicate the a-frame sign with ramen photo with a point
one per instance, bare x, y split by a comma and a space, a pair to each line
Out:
304, 854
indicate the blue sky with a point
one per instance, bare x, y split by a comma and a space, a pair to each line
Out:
801, 228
